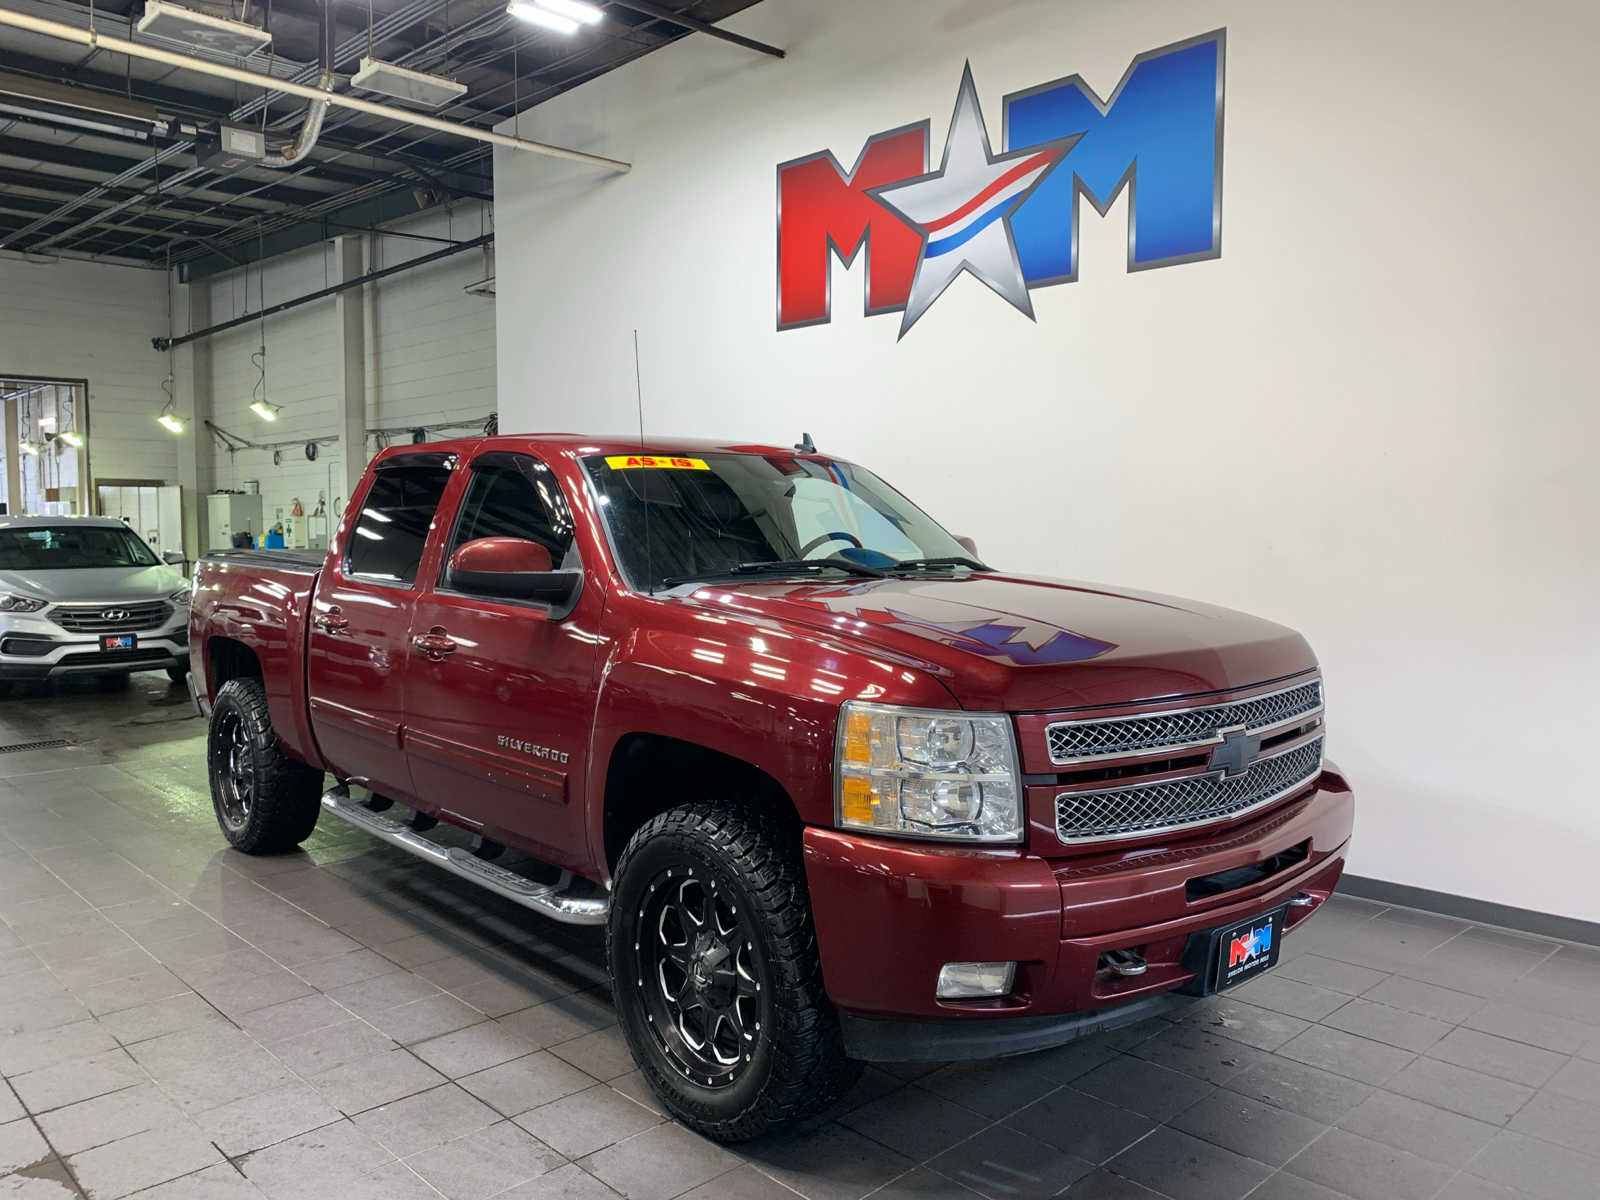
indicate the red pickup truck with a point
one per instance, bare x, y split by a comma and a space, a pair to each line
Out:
837, 790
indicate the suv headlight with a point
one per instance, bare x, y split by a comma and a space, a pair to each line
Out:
14, 602
181, 597
927, 773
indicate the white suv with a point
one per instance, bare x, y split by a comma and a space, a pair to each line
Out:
86, 594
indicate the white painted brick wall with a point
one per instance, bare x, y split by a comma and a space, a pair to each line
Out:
432, 356
86, 320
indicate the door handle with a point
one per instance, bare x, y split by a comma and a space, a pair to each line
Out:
434, 644
331, 622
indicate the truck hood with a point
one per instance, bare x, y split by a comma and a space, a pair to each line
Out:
1023, 644
90, 585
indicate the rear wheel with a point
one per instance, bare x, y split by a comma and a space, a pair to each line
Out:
718, 985
265, 801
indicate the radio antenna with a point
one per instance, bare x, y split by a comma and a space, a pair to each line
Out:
638, 392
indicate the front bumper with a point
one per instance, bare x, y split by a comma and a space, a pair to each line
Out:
890, 913
32, 647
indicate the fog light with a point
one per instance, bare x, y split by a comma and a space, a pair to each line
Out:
969, 980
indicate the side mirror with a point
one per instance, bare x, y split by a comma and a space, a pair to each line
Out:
967, 544
514, 568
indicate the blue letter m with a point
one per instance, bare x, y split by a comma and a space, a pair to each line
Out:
1160, 133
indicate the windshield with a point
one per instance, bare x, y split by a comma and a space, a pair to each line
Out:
710, 515
62, 547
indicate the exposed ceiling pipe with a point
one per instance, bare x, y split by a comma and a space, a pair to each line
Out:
116, 45
311, 128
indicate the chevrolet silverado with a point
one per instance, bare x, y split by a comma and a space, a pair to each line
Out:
837, 789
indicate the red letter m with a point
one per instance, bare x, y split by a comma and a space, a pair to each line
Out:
822, 211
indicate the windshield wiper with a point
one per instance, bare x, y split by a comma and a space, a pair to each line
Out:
948, 560
784, 566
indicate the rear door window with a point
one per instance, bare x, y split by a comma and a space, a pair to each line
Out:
392, 528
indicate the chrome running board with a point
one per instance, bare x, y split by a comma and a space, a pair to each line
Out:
554, 900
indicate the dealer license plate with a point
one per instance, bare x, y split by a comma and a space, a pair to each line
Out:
118, 641
1247, 949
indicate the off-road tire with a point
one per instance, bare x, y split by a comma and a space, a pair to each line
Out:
285, 797
798, 1066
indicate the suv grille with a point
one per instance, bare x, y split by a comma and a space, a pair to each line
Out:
112, 618
1083, 741
1192, 800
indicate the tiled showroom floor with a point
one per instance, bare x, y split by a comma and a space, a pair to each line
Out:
343, 1023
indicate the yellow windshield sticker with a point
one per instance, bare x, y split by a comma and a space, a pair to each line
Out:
620, 462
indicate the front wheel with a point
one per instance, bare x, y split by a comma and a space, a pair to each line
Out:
714, 965
265, 801
178, 674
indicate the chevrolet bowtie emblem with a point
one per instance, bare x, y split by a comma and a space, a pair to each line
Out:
1239, 749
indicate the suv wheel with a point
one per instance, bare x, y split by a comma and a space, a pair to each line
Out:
265, 801
714, 965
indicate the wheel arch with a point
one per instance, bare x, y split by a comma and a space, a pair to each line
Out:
649, 773
228, 658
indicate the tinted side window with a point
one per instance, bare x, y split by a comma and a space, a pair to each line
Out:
393, 526
514, 496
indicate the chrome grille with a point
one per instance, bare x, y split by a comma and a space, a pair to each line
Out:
112, 618
1196, 799
1081, 741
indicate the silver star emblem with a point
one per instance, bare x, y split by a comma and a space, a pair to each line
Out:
963, 210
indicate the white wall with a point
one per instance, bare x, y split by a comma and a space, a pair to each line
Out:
78, 320
1373, 418
429, 351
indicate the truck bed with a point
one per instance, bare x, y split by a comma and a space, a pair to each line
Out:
303, 560
256, 604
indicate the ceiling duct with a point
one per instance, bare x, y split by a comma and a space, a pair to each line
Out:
177, 24
311, 128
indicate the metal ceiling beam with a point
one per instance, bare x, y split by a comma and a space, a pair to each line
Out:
661, 12
53, 188
415, 12
308, 231
401, 116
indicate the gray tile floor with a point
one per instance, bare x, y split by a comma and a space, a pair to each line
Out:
177, 1020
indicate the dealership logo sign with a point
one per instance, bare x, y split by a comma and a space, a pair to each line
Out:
1249, 946
1011, 218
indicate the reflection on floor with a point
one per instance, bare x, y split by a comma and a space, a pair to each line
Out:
347, 1023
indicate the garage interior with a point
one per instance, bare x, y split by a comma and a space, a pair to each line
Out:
1359, 412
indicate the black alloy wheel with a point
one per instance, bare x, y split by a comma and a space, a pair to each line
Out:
701, 977
715, 971
265, 801
236, 779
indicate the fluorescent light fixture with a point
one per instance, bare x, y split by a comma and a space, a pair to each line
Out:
28, 448
405, 84
265, 411
62, 104
535, 15
577, 10
170, 422
178, 24
72, 439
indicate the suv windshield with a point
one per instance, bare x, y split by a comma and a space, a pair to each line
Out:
674, 519
61, 547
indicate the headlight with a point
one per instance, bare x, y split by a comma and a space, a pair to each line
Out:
12, 602
928, 773
180, 597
